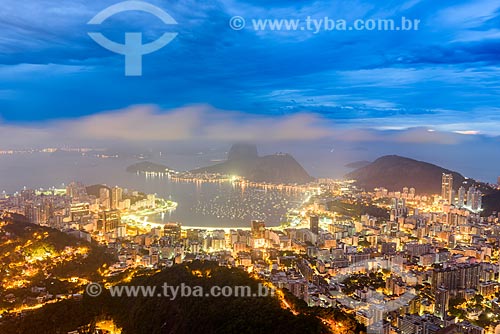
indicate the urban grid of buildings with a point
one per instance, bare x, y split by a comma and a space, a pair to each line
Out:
430, 266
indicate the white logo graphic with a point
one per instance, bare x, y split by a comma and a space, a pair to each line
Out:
133, 49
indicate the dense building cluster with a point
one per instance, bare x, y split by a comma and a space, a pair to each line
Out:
400, 262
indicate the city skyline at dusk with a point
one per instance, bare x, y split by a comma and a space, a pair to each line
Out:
384, 92
250, 166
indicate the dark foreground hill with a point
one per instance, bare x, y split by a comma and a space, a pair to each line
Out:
52, 255
165, 315
244, 161
394, 172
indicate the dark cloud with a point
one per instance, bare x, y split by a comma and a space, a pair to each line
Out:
52, 69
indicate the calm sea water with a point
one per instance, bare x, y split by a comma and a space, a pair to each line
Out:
206, 204
222, 205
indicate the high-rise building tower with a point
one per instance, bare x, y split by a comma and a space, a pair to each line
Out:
461, 197
116, 197
105, 198
258, 229
441, 304
172, 232
470, 196
108, 220
76, 190
474, 199
314, 224
447, 188
398, 207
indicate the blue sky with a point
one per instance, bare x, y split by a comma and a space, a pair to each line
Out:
384, 86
